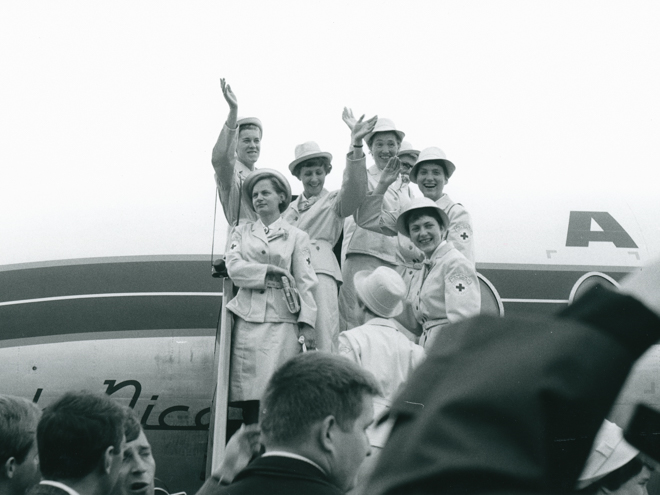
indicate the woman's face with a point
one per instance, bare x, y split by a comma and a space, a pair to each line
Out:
431, 180
265, 199
635, 485
425, 233
313, 179
384, 146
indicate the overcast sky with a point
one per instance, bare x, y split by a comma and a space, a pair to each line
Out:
109, 110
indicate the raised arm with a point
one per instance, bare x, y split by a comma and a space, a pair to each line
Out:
460, 231
223, 157
379, 212
354, 186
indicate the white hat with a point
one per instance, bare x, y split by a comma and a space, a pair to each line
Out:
383, 125
432, 154
307, 151
262, 173
608, 453
250, 120
416, 204
407, 149
382, 291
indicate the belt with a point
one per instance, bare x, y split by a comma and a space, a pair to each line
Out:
272, 284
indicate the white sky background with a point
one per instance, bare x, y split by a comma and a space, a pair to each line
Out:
109, 110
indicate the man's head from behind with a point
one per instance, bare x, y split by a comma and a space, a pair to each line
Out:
138, 469
19, 460
319, 405
81, 436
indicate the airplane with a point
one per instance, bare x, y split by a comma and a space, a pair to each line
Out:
142, 328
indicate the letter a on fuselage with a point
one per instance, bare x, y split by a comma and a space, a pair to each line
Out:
580, 233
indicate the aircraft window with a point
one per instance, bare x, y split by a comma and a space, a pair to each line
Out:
491, 302
589, 280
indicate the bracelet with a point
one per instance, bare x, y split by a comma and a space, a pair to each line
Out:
357, 146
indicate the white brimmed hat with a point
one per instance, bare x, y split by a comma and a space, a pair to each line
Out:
384, 125
264, 173
250, 120
417, 204
407, 149
307, 151
382, 291
609, 452
432, 154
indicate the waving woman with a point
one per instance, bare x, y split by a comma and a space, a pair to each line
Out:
321, 214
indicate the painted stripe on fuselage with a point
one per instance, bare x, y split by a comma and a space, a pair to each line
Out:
123, 294
69, 299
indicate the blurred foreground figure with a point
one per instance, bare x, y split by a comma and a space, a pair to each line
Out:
314, 416
512, 405
81, 440
19, 458
614, 466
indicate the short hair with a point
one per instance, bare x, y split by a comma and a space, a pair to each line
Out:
132, 427
312, 162
418, 213
18, 424
249, 126
359, 301
613, 481
307, 389
75, 431
279, 189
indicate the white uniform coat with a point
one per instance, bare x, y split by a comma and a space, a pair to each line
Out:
378, 347
322, 218
366, 250
379, 214
250, 253
265, 333
445, 291
229, 176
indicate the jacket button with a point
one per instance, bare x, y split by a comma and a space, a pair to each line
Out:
410, 247
261, 291
263, 252
318, 248
410, 273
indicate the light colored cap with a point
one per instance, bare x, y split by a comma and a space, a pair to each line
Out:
384, 125
307, 151
418, 204
382, 291
609, 452
432, 154
263, 173
250, 120
407, 149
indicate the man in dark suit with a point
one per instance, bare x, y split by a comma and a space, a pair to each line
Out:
19, 459
81, 440
512, 405
314, 416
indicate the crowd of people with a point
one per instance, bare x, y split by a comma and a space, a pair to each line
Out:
292, 292
396, 401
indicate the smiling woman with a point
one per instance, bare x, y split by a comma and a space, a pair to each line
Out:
446, 290
321, 214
